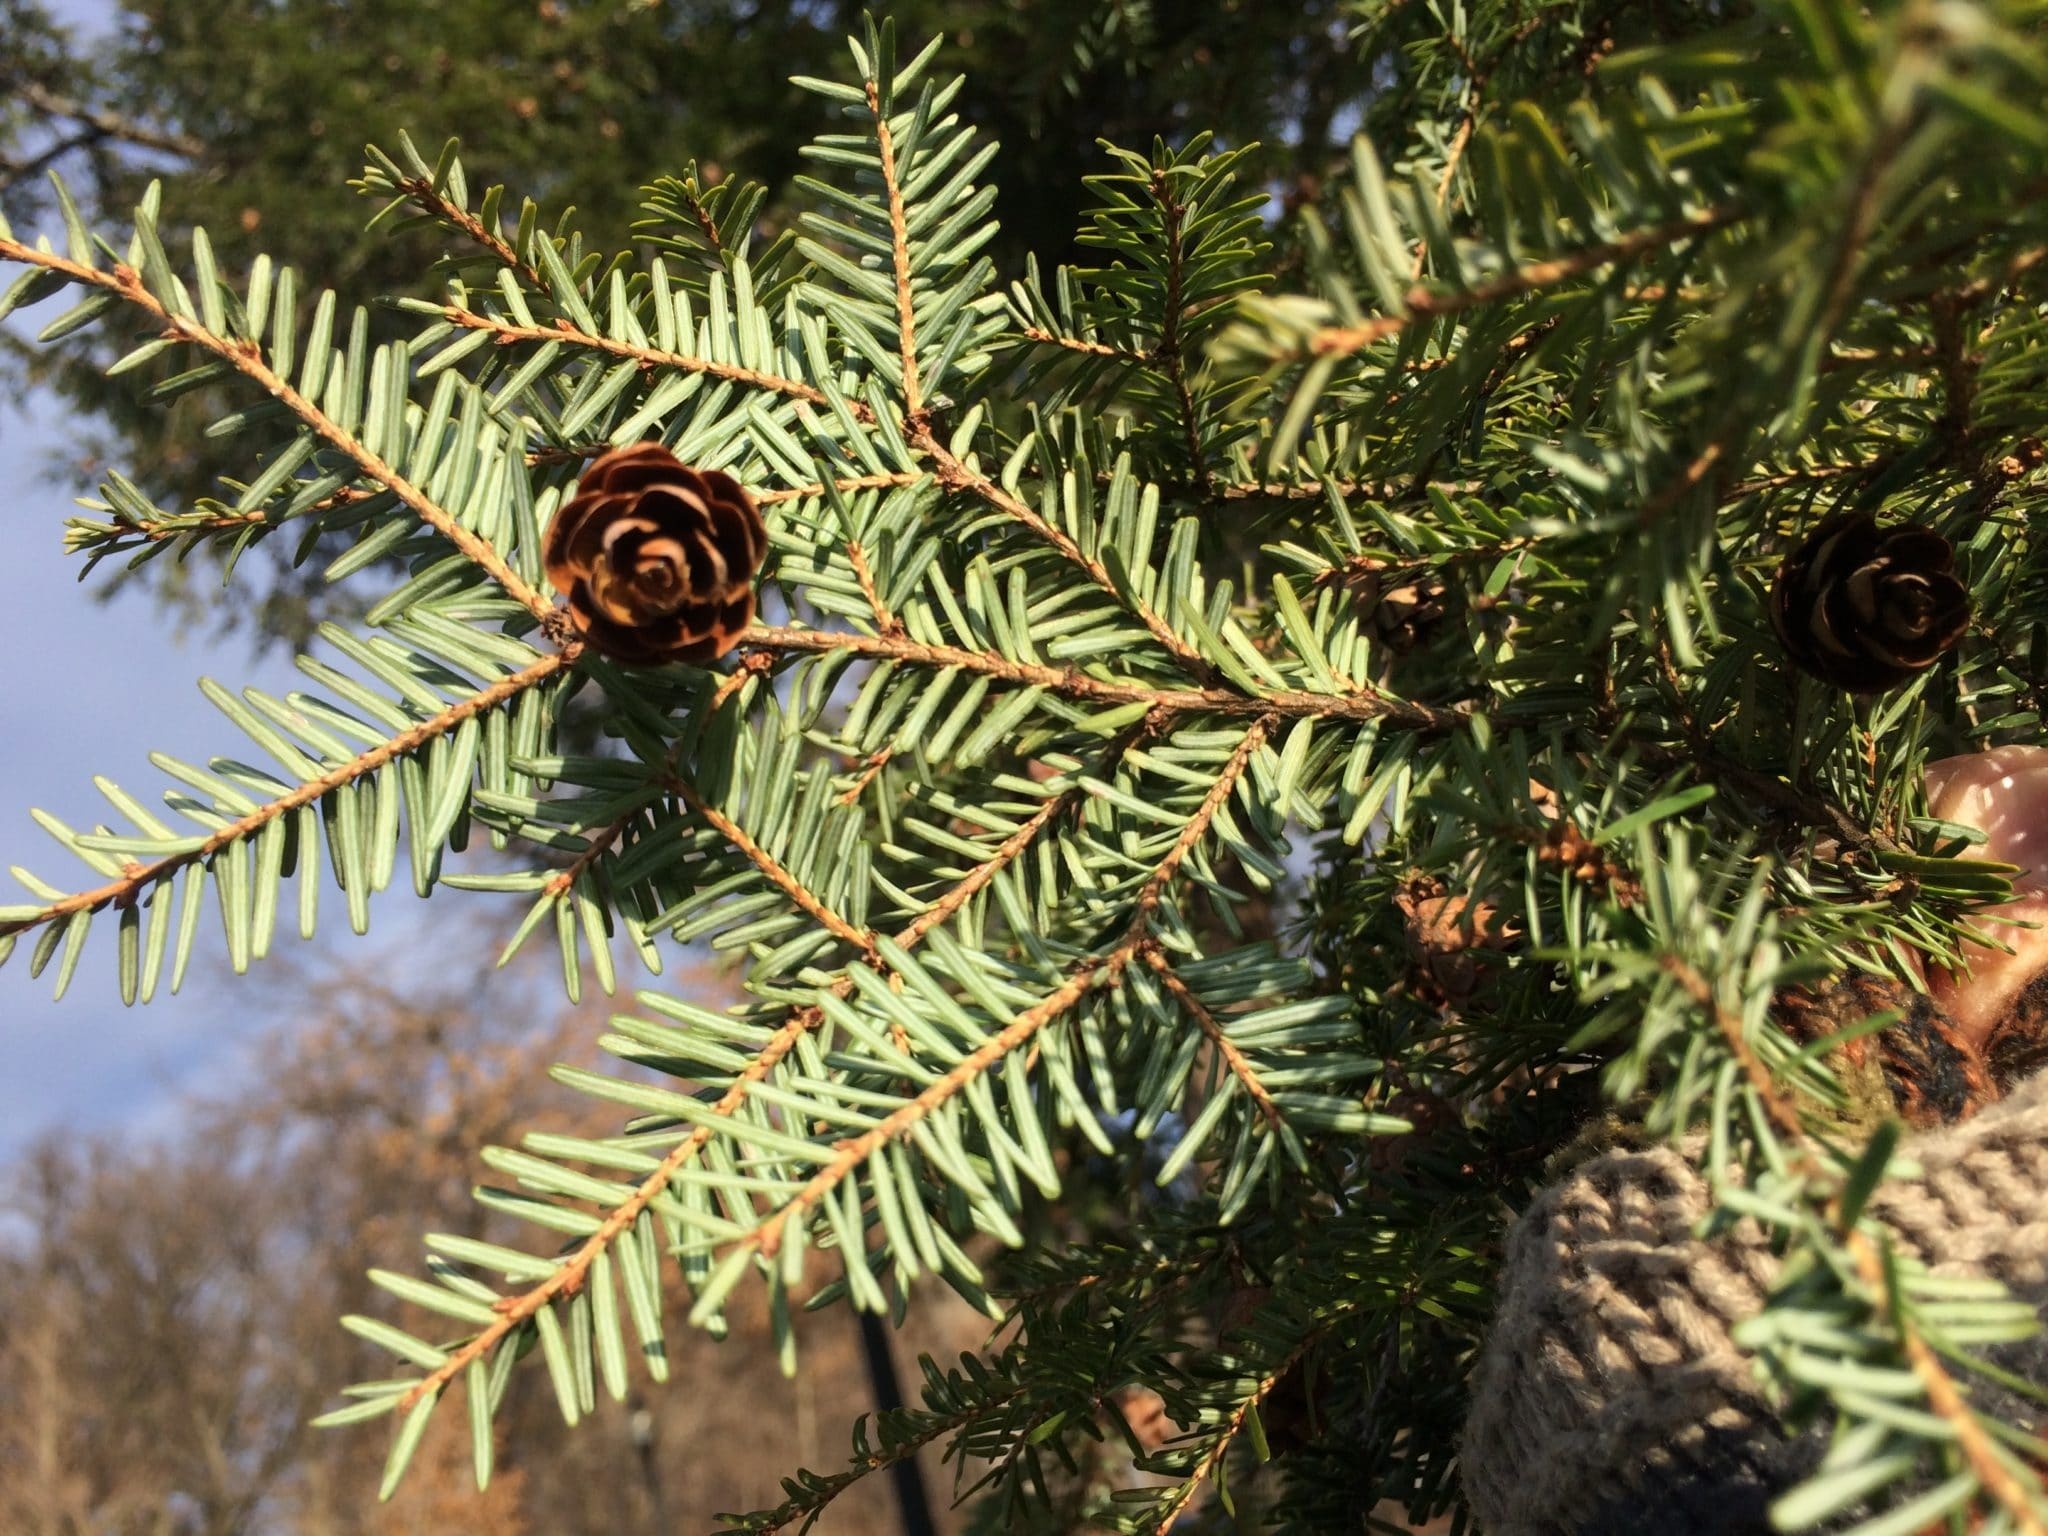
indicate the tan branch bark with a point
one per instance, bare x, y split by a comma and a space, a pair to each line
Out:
569, 1276
1423, 304
899, 241
852, 483
958, 476
424, 196
778, 876
247, 358
1097, 970
885, 621
564, 330
130, 885
1086, 348
1361, 705
1232, 1428
1946, 1399
1233, 1058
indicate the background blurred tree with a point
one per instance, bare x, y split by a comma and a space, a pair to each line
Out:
131, 1402
1550, 420
255, 113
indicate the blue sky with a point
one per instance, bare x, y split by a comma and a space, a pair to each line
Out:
93, 688
99, 682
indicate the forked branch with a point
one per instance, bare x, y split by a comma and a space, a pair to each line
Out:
1095, 971
246, 357
569, 1276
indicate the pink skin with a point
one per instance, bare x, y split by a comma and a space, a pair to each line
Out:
2005, 793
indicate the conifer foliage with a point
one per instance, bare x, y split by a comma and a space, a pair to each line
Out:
1440, 542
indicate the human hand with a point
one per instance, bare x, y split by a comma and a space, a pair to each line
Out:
2004, 793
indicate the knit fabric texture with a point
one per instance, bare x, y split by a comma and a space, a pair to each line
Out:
1610, 1397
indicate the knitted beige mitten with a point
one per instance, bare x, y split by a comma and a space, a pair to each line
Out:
1610, 1399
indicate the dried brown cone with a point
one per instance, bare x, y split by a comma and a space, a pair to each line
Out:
1445, 934
1863, 607
657, 560
1567, 848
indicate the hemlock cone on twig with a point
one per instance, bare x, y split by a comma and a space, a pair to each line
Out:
1864, 607
657, 561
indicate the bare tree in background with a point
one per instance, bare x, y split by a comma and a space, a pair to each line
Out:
132, 1402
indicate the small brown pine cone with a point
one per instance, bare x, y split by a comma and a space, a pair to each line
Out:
1864, 607
656, 559
1403, 604
1407, 615
1444, 933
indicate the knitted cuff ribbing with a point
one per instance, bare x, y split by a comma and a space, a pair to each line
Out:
1610, 1391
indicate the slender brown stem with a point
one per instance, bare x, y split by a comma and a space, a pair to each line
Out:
869, 770
778, 876
1362, 705
125, 890
766, 1239
958, 476
1456, 152
852, 483
942, 910
1943, 1395
565, 330
1095, 971
1945, 1398
899, 240
1779, 1106
1172, 216
1422, 304
885, 621
164, 532
1232, 1428
706, 225
1809, 475
1085, 347
427, 198
154, 531
952, 472
569, 1276
816, 1498
565, 878
1233, 1058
